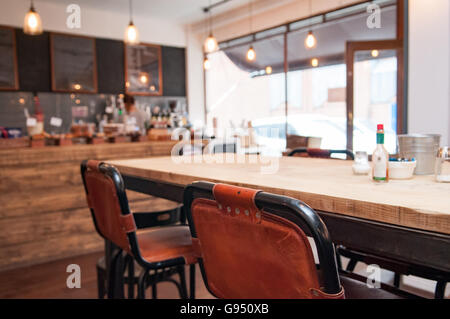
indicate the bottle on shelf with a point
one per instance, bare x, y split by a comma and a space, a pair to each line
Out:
380, 159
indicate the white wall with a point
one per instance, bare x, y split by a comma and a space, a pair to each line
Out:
429, 68
94, 22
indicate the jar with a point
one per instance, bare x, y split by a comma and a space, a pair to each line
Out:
442, 167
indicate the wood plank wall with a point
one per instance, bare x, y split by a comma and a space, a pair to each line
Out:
44, 215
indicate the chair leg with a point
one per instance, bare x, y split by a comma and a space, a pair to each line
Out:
439, 292
192, 281
351, 265
142, 284
397, 278
154, 287
101, 283
338, 260
130, 277
183, 288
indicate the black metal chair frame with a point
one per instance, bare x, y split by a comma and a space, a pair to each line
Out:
118, 263
305, 150
291, 209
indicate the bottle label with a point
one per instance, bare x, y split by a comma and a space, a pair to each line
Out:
380, 138
379, 168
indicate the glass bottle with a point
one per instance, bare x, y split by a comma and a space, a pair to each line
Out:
380, 159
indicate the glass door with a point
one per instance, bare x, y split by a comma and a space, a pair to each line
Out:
374, 93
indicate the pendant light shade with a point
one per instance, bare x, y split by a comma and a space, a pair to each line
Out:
310, 41
210, 44
251, 54
131, 32
206, 64
32, 24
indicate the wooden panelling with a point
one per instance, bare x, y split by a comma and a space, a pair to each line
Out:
44, 215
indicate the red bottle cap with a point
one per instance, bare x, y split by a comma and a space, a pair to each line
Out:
380, 127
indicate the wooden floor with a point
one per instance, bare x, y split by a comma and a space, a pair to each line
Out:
49, 281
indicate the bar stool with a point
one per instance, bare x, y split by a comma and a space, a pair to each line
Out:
160, 251
259, 247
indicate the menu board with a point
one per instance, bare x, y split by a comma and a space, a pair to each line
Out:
143, 70
74, 67
8, 62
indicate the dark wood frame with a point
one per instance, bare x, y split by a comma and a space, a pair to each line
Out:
351, 48
160, 79
16, 66
52, 65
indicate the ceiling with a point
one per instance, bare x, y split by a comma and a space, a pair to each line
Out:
180, 11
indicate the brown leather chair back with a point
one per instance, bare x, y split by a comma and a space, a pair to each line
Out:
248, 252
113, 221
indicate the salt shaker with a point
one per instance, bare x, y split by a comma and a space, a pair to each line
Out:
442, 166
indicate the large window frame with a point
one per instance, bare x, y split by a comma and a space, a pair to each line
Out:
399, 43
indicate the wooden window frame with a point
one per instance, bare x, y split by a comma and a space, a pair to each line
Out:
160, 79
16, 66
52, 64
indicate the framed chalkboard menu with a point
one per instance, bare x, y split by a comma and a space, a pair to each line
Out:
74, 64
143, 69
9, 79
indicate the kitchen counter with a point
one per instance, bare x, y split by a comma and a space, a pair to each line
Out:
44, 213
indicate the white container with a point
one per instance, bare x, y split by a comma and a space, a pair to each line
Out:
401, 170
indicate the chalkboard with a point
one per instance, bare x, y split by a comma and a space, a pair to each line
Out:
143, 69
110, 66
8, 60
33, 55
74, 63
174, 71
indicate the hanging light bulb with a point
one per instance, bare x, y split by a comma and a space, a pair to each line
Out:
251, 54
210, 44
32, 24
375, 53
310, 41
131, 32
268, 69
314, 62
206, 63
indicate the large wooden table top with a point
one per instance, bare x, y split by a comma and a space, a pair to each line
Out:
326, 185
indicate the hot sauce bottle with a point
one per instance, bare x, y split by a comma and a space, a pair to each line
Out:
380, 159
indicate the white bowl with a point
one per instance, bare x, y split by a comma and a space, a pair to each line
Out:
401, 170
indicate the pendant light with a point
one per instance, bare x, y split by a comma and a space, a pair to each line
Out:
210, 42
131, 32
314, 62
310, 41
251, 54
206, 63
32, 24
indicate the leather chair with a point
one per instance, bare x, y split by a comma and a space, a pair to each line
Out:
259, 247
160, 251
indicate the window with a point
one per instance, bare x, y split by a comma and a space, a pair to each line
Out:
309, 99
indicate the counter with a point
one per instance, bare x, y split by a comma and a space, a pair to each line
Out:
44, 214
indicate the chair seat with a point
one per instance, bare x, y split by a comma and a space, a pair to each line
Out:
166, 243
355, 289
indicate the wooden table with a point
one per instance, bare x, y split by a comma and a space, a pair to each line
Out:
406, 220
